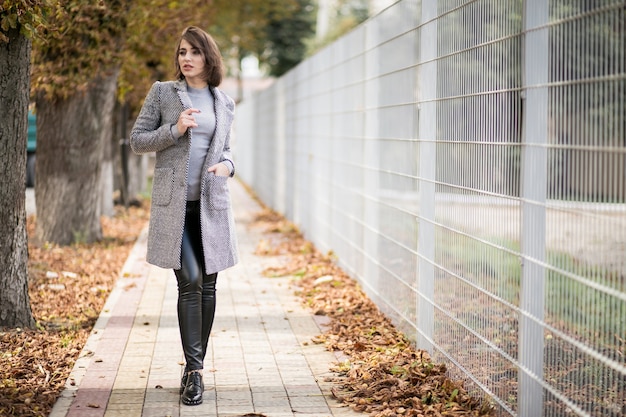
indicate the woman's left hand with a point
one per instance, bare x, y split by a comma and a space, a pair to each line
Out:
221, 170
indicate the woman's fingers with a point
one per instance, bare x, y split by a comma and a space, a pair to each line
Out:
186, 120
220, 169
187, 115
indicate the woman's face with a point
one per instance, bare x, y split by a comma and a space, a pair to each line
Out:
191, 61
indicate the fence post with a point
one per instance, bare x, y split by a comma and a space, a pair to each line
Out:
280, 168
533, 190
427, 135
371, 157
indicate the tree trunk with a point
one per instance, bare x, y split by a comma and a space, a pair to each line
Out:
14, 92
138, 167
107, 176
71, 134
131, 172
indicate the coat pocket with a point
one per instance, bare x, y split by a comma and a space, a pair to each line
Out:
162, 186
216, 191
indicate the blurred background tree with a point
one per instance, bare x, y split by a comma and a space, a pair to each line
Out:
241, 29
76, 63
285, 45
334, 19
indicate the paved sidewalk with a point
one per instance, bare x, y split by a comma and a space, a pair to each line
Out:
260, 359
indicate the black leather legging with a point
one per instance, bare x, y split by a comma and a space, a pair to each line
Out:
196, 292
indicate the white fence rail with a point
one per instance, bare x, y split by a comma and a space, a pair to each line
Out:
466, 161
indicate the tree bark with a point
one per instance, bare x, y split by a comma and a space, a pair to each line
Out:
107, 176
71, 135
15, 308
131, 173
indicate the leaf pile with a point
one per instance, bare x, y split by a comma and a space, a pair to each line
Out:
68, 287
383, 374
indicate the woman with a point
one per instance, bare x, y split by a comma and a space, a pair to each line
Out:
187, 123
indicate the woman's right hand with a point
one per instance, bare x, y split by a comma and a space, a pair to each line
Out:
186, 120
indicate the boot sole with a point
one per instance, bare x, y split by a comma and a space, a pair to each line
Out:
197, 402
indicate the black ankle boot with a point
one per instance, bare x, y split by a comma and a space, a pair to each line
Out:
192, 395
183, 381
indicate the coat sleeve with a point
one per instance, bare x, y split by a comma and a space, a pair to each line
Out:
149, 134
226, 153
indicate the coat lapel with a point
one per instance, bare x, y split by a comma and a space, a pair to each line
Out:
181, 89
223, 119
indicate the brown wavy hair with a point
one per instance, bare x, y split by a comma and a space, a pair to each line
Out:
214, 66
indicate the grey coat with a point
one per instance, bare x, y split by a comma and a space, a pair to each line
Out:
152, 133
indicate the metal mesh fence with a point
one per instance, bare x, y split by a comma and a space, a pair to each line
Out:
466, 161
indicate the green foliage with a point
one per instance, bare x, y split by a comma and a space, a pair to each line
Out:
81, 41
286, 38
576, 293
241, 26
347, 15
587, 48
27, 15
589, 298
